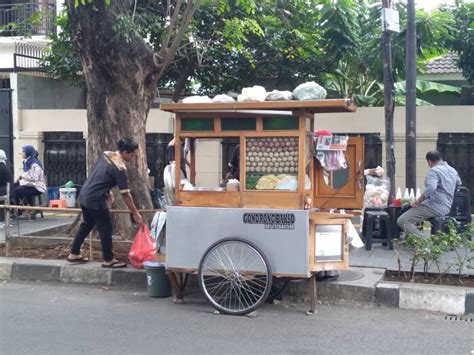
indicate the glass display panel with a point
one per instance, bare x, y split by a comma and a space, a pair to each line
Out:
197, 124
238, 124
280, 123
272, 163
209, 163
328, 242
337, 179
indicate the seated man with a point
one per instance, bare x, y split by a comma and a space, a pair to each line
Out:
440, 184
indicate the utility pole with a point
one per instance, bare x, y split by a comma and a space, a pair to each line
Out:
389, 103
410, 132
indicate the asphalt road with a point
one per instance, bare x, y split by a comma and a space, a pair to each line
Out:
38, 318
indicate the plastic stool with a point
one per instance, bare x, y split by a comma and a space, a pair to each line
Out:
40, 203
57, 204
441, 223
370, 218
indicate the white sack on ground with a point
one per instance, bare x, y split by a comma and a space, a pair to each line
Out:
354, 238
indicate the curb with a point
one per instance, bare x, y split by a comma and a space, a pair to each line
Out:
358, 284
434, 298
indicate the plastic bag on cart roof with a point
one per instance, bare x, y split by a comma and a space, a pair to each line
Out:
309, 91
376, 192
255, 93
223, 98
143, 248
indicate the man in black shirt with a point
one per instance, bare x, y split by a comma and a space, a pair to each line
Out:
108, 172
5, 173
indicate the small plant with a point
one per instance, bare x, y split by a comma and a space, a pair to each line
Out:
462, 246
421, 251
397, 244
431, 250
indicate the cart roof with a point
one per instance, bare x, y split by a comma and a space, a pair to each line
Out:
313, 106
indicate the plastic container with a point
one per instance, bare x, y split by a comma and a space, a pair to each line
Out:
157, 281
69, 195
53, 193
57, 204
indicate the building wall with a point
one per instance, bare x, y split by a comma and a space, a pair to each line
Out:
31, 119
40, 93
30, 125
430, 121
208, 162
46, 105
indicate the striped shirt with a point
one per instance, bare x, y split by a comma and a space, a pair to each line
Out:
440, 184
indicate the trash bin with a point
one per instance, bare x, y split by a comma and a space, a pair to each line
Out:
53, 193
157, 280
68, 194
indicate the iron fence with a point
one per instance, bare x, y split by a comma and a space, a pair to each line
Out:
27, 57
27, 19
458, 150
64, 157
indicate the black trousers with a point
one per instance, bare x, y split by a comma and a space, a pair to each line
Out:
26, 194
100, 218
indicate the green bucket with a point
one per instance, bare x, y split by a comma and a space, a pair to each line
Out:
157, 280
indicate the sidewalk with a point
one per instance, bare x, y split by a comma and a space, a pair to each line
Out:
363, 282
32, 227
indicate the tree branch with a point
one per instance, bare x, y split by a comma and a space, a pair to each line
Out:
169, 30
191, 8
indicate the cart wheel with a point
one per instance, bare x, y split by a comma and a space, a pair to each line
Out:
235, 276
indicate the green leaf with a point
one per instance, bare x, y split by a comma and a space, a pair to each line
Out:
429, 87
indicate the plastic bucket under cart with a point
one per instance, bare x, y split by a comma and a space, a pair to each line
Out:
157, 281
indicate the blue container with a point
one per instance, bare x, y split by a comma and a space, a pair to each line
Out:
53, 193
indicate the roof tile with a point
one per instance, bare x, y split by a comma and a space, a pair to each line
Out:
443, 65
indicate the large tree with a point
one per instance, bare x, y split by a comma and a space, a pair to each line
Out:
121, 73
463, 42
360, 67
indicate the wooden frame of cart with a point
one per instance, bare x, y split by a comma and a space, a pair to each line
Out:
269, 216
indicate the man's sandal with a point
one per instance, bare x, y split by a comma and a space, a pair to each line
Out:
80, 260
115, 265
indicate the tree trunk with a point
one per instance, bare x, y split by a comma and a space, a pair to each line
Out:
121, 77
183, 78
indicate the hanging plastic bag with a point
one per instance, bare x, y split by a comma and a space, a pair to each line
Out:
143, 248
376, 192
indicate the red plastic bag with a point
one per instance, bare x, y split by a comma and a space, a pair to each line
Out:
143, 248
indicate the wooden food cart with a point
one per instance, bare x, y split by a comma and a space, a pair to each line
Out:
275, 223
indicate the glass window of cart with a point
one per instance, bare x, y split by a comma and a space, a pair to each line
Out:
271, 163
206, 155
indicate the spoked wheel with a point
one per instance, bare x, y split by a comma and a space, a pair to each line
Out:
235, 276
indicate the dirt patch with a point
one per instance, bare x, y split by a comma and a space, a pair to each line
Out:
60, 251
431, 278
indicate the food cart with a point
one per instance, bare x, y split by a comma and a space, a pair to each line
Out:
275, 222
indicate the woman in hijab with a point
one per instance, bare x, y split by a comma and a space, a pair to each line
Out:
5, 173
31, 183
